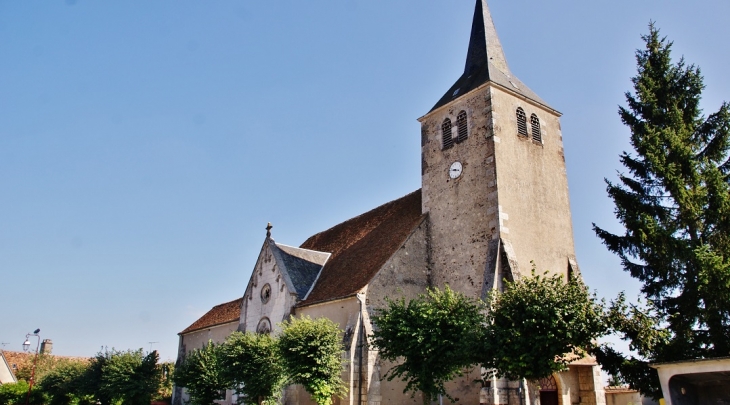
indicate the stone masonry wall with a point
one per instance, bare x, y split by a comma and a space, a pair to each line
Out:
405, 274
532, 186
463, 212
279, 306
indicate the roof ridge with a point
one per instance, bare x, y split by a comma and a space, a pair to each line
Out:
353, 219
361, 245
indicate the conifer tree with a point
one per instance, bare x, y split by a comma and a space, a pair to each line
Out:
674, 203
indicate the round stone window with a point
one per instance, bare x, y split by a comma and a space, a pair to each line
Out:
266, 293
264, 327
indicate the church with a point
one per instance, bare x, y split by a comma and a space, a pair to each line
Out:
493, 198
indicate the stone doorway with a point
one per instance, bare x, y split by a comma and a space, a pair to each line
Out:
548, 391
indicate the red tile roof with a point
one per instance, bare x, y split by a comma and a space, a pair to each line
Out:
361, 246
220, 314
18, 360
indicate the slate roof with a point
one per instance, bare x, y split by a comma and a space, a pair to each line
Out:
485, 62
218, 315
300, 267
361, 246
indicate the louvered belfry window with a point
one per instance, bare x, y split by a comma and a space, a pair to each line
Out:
446, 132
521, 122
535, 122
462, 127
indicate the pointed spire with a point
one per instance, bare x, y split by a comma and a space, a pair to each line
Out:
484, 45
485, 62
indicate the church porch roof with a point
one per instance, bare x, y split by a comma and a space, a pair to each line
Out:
218, 315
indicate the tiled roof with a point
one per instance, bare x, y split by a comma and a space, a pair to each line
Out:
619, 390
584, 361
300, 267
16, 360
220, 314
361, 246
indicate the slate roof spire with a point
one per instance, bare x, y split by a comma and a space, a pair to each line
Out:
484, 45
485, 62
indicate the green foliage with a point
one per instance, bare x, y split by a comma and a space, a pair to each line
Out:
539, 325
43, 365
11, 394
63, 385
433, 337
311, 350
131, 377
121, 377
640, 326
200, 374
166, 373
252, 363
674, 204
111, 377
17, 393
91, 383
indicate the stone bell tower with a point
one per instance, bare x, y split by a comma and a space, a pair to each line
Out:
493, 175
495, 188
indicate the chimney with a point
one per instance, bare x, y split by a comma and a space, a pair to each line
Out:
46, 346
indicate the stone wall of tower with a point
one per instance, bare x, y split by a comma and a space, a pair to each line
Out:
532, 185
463, 212
511, 187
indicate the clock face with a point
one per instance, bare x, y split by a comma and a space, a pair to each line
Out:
455, 170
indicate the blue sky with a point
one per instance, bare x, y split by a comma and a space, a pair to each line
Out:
145, 145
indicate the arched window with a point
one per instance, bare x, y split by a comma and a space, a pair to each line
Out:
535, 122
521, 122
264, 327
446, 133
462, 127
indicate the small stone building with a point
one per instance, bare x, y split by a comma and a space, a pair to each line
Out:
215, 325
493, 198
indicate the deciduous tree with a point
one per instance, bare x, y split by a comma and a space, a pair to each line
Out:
201, 375
431, 338
252, 363
63, 385
311, 350
538, 325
